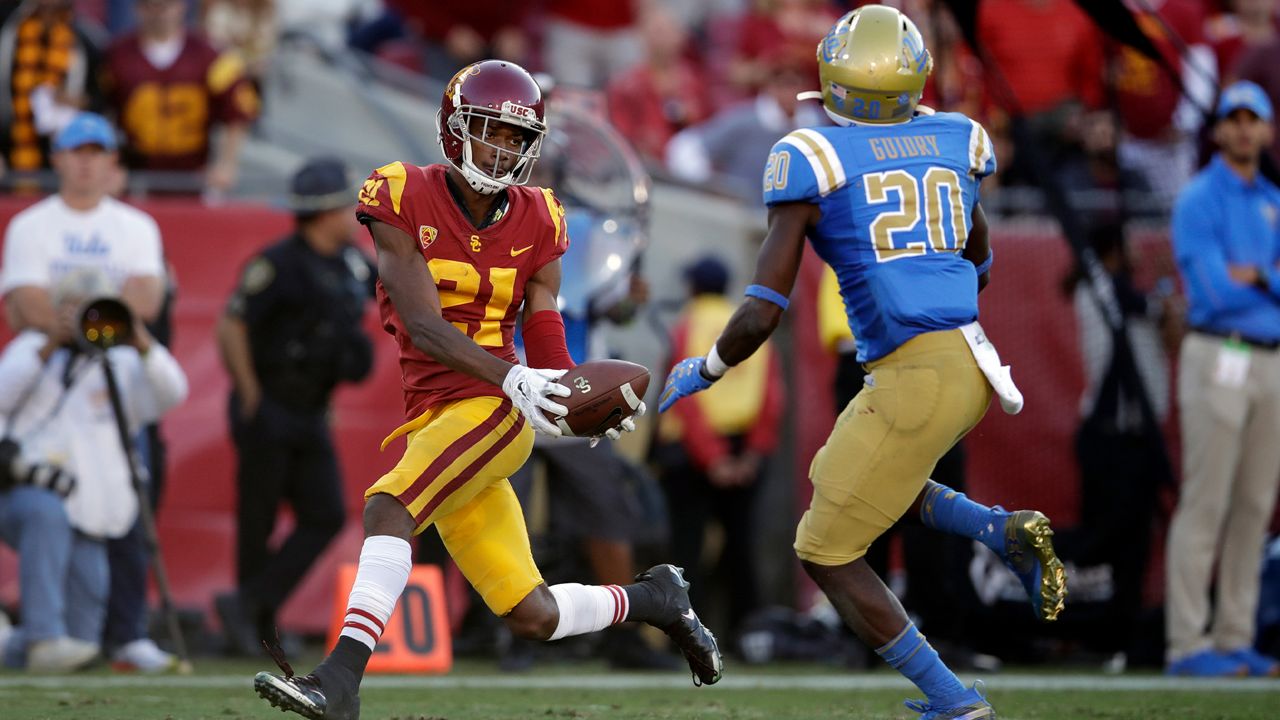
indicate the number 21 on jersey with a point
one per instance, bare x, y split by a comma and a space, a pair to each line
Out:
904, 219
459, 283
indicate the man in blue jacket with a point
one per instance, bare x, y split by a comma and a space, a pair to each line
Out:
1226, 238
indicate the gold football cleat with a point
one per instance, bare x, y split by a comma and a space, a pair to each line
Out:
1028, 551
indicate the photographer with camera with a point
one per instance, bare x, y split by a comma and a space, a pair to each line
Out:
82, 225
65, 481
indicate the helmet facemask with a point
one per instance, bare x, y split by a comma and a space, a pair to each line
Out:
489, 181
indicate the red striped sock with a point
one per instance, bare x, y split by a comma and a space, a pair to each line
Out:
624, 606
588, 608
363, 626
384, 571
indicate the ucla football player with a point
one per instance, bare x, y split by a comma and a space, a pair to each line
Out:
889, 198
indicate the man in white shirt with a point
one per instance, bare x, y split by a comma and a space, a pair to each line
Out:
56, 410
79, 227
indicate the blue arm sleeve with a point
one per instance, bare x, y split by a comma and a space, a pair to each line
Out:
1198, 249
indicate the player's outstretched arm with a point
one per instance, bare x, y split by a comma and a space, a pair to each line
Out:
777, 264
412, 289
977, 249
755, 319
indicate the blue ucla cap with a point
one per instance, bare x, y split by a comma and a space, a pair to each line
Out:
1245, 95
86, 129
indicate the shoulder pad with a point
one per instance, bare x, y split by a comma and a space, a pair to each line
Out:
803, 165
385, 185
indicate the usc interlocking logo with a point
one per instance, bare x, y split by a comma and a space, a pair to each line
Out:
582, 384
475, 243
426, 235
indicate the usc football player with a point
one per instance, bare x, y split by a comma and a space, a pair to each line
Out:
462, 249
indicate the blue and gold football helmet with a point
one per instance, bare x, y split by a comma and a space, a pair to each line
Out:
873, 65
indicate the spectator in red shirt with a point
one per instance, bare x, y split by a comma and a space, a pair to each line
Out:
168, 87
1049, 53
588, 42
1048, 50
1159, 123
770, 24
460, 33
656, 99
1252, 23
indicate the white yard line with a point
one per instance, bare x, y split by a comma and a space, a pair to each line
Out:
829, 683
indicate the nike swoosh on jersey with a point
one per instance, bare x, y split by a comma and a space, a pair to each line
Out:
515, 252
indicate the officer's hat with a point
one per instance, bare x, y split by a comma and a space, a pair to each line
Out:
707, 275
322, 184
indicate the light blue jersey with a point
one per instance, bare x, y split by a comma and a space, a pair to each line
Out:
897, 204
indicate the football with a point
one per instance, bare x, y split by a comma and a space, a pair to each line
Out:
603, 393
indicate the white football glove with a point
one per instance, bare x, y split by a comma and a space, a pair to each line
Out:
529, 389
628, 424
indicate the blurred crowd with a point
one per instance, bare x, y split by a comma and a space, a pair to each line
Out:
671, 76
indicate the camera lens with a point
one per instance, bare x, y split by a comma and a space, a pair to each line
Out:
106, 323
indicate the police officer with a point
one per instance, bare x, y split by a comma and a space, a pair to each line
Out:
291, 332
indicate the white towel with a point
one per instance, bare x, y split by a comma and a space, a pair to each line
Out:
999, 376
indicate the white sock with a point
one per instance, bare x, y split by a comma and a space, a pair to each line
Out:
588, 608
383, 572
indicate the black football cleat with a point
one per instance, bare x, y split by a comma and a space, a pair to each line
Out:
319, 696
307, 696
681, 624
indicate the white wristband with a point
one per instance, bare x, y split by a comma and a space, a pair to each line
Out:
716, 366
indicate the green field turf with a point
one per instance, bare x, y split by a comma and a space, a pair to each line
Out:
223, 691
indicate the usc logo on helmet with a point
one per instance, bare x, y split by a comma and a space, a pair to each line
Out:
491, 91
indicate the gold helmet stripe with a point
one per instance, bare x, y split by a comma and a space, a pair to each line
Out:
821, 156
979, 148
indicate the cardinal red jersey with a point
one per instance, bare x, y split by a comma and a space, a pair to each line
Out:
1146, 97
480, 274
167, 113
